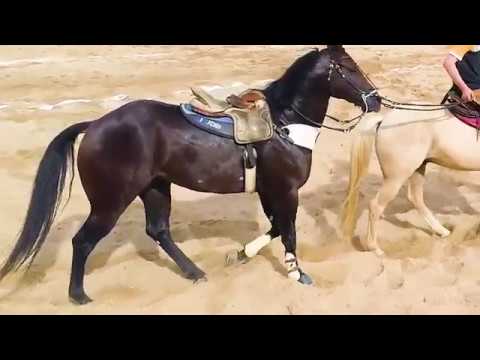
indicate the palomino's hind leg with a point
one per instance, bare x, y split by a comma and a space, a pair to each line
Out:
97, 226
157, 202
398, 163
387, 193
415, 195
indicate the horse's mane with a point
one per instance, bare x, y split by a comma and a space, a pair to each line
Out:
282, 91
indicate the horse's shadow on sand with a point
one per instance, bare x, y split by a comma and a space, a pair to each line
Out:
203, 225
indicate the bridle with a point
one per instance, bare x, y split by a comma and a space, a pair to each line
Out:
365, 95
335, 67
384, 100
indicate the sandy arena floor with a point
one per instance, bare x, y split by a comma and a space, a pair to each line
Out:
45, 88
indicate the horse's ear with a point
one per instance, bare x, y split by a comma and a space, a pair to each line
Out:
335, 47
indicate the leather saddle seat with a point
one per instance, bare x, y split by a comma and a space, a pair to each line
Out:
244, 117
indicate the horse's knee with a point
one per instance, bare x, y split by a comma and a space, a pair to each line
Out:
156, 231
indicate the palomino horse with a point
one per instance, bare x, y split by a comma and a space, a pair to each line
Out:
405, 142
143, 147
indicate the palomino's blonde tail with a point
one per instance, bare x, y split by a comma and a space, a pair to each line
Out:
361, 150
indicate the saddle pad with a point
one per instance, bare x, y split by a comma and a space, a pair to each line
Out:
220, 126
473, 122
468, 113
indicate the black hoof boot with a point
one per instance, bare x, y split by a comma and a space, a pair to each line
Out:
305, 279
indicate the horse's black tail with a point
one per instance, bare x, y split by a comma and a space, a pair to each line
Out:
46, 197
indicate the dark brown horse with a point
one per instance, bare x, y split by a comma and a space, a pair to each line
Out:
143, 147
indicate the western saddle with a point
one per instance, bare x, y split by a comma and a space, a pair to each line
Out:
209, 103
249, 111
244, 117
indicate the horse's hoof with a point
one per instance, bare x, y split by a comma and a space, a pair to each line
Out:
234, 257
444, 234
195, 275
80, 299
231, 257
200, 280
374, 248
305, 279
379, 252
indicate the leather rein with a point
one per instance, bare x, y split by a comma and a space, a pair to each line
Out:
334, 66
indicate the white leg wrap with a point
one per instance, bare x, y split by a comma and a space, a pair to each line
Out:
253, 247
292, 266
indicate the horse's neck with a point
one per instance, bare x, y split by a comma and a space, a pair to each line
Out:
313, 109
